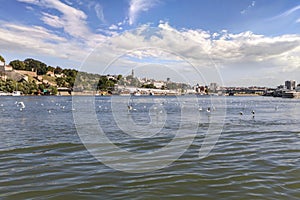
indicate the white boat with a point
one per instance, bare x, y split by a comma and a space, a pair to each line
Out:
291, 94
124, 93
5, 93
16, 93
137, 93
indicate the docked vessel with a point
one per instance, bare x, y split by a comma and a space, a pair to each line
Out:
291, 94
16, 93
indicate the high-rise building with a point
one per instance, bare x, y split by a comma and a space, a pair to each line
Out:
290, 85
213, 87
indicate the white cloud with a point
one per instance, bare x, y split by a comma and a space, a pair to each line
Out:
197, 46
73, 20
41, 41
200, 47
29, 8
138, 6
29, 1
99, 12
113, 27
52, 20
244, 11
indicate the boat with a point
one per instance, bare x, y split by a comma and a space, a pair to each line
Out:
291, 94
137, 93
4, 94
16, 93
124, 93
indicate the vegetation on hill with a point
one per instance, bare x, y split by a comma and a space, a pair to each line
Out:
106, 84
49, 78
26, 87
2, 59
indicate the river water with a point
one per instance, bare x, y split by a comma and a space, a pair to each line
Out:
257, 156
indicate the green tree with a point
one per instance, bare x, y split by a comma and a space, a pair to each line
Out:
58, 70
105, 84
70, 80
41, 87
53, 90
51, 69
151, 85
18, 65
60, 82
39, 66
119, 77
2, 59
70, 72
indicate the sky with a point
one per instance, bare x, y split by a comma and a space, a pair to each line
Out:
231, 42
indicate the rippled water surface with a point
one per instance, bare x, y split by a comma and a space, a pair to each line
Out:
256, 157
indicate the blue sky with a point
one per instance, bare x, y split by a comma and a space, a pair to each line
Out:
232, 42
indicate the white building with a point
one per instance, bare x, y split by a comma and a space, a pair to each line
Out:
158, 84
213, 87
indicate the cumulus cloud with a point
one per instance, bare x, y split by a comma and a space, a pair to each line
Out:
198, 46
72, 20
138, 6
229, 51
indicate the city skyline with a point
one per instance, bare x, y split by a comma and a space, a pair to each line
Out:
237, 43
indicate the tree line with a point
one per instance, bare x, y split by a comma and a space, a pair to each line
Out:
66, 78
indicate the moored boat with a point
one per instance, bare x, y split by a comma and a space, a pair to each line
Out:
291, 94
16, 93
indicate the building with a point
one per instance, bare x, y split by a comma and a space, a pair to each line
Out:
50, 73
6, 68
213, 87
62, 75
158, 84
290, 85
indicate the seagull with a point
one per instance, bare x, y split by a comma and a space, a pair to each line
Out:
208, 110
21, 104
129, 107
200, 109
253, 112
